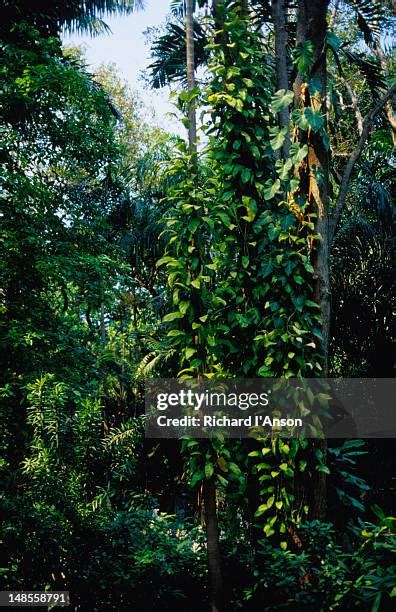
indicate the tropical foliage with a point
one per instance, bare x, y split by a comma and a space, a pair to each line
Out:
129, 253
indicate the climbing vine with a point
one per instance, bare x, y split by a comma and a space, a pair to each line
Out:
239, 256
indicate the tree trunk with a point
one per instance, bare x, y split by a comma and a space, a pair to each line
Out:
102, 316
245, 7
279, 17
102, 323
209, 490
213, 548
314, 180
311, 26
192, 119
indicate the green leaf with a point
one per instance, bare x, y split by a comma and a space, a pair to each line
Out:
172, 316
251, 208
260, 510
245, 175
283, 168
270, 501
272, 190
164, 260
303, 57
377, 602
314, 118
190, 352
277, 137
225, 219
222, 480
314, 86
281, 99
333, 41
193, 224
196, 478
233, 468
298, 153
209, 469
322, 468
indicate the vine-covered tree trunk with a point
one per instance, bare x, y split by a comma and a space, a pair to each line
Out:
312, 28
209, 490
279, 18
314, 177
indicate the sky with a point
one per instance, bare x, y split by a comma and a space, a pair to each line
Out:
126, 48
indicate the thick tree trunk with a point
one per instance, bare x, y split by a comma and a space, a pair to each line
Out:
312, 26
212, 539
279, 17
192, 119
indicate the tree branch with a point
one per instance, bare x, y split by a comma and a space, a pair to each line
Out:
333, 15
355, 105
391, 115
367, 125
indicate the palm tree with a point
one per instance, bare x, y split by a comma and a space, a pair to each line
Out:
168, 51
50, 16
190, 65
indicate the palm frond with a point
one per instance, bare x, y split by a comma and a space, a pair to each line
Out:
51, 16
369, 15
87, 23
178, 8
169, 54
102, 7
